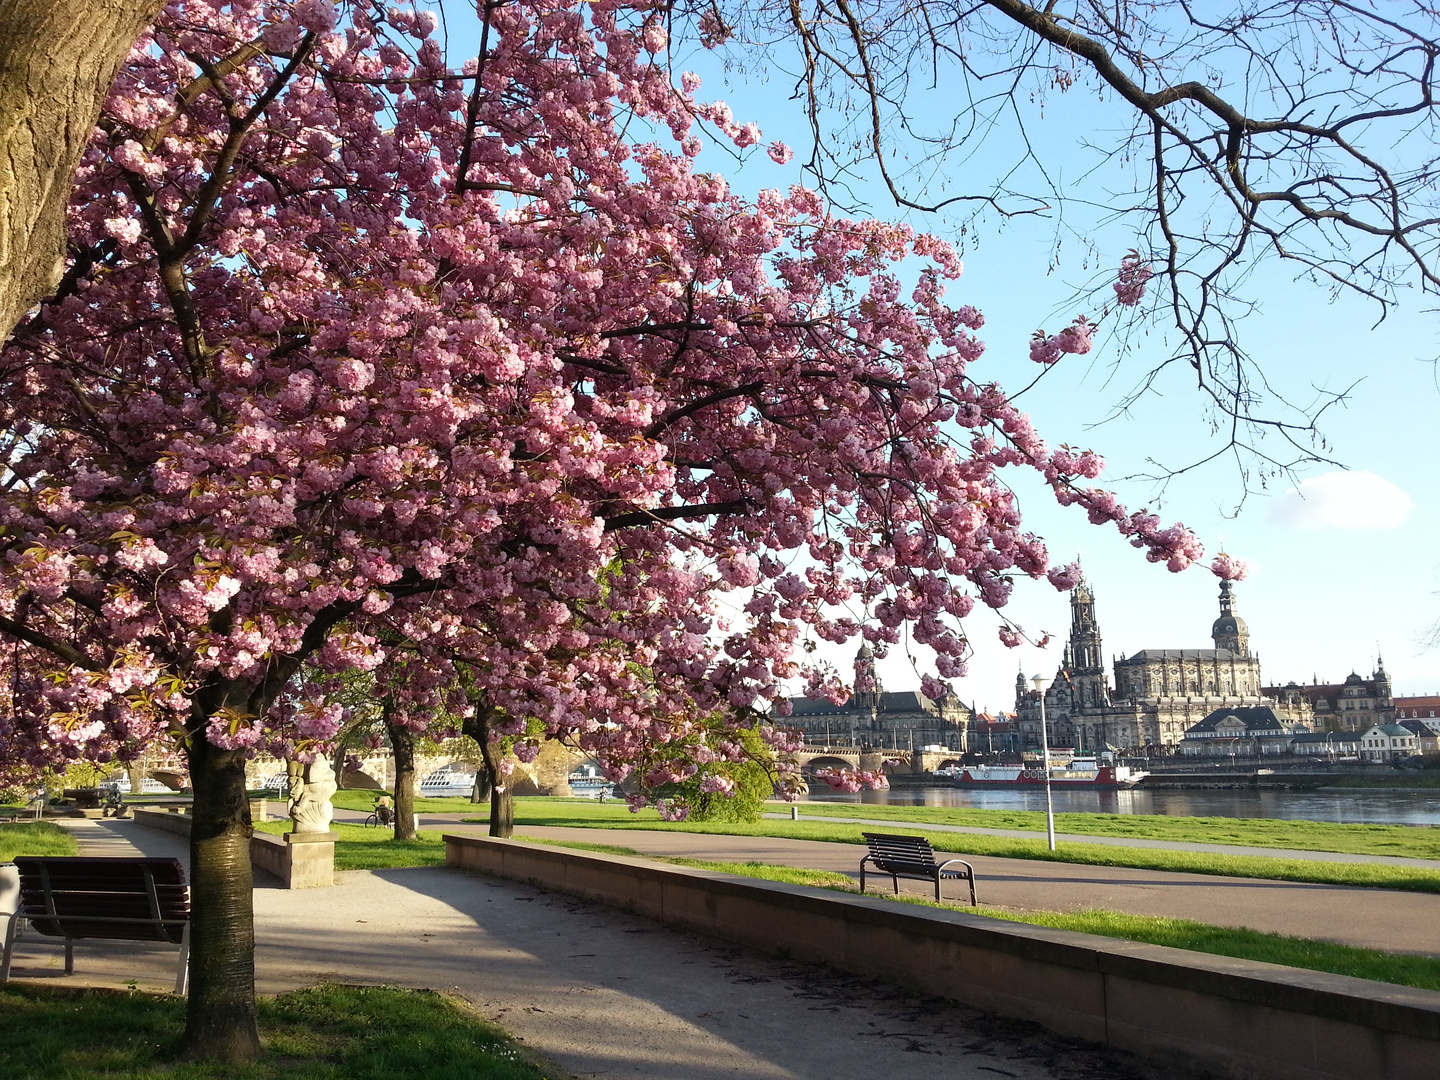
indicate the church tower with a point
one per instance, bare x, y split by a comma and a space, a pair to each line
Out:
865, 677
1083, 650
1084, 656
1230, 631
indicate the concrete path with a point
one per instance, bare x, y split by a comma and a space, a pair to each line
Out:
1370, 918
604, 994
1130, 841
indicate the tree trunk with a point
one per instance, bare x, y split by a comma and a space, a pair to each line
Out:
220, 1019
402, 745
137, 779
502, 803
57, 61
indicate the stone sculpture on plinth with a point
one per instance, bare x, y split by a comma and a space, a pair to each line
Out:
310, 807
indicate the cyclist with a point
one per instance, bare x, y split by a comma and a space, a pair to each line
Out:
384, 811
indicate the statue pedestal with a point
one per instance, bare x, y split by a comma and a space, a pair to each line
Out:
311, 864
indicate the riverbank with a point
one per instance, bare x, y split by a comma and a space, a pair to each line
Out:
1392, 840
582, 813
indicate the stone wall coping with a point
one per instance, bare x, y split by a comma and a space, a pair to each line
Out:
311, 837
1385, 1006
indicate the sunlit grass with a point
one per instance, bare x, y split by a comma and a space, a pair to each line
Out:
1356, 839
35, 838
582, 813
326, 1033
362, 848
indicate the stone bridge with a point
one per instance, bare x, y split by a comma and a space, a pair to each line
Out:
869, 758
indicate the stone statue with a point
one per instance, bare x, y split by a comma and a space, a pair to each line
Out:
310, 807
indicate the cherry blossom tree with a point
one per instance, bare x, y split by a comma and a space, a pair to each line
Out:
57, 60
364, 351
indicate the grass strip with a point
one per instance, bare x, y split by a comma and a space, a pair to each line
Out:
1405, 841
331, 1032
1370, 875
363, 799
35, 838
1418, 971
362, 848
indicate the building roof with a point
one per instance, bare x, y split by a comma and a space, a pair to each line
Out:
1328, 737
1258, 720
1394, 730
1426, 728
901, 701
1417, 707
1146, 655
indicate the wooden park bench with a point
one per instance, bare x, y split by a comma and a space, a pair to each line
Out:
119, 899
912, 857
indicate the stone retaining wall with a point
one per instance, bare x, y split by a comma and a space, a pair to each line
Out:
1238, 1019
299, 860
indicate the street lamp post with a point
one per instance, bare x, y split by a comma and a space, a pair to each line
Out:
1039, 681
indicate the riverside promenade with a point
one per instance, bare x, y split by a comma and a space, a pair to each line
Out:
604, 994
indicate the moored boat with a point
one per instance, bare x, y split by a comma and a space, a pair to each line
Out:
1082, 772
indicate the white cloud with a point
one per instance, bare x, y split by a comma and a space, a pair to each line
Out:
1342, 500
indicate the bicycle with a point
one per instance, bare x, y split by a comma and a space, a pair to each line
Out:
382, 816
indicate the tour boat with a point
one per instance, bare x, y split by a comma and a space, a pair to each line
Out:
447, 782
1080, 771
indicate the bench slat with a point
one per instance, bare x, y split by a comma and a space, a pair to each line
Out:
104, 897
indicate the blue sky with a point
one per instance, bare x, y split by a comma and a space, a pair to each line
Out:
1351, 569
1348, 570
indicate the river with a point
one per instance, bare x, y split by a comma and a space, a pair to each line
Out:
1364, 806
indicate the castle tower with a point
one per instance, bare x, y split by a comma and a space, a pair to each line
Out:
1230, 631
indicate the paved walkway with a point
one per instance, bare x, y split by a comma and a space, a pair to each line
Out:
1130, 841
1392, 920
603, 994
1371, 918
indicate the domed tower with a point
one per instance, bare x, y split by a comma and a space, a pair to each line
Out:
1230, 631
1383, 688
868, 698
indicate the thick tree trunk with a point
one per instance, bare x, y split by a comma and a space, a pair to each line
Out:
220, 1021
57, 61
502, 803
402, 745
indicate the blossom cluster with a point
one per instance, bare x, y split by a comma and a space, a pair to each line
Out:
377, 349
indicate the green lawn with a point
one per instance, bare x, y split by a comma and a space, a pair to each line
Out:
327, 1033
35, 838
362, 848
1401, 840
364, 799
1419, 971
587, 814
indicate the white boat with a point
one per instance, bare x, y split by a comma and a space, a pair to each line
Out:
447, 782
1080, 771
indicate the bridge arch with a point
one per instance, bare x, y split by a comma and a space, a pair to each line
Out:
828, 761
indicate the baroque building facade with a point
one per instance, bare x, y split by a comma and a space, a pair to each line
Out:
899, 720
1356, 704
1157, 693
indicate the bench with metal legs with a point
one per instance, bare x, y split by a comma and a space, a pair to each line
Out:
912, 857
116, 899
